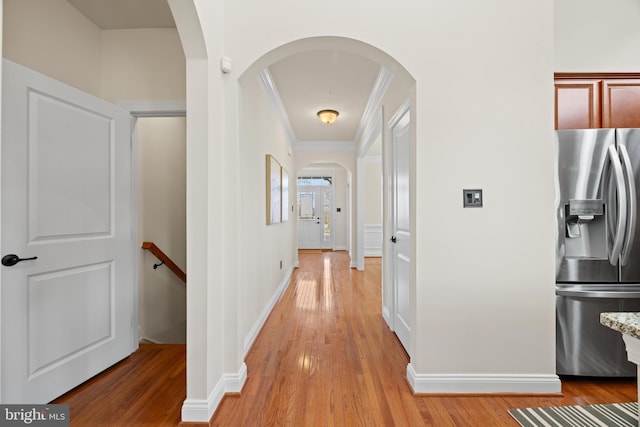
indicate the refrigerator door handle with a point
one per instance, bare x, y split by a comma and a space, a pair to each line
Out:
618, 240
633, 206
597, 293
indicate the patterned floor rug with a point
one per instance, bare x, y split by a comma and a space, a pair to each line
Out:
610, 415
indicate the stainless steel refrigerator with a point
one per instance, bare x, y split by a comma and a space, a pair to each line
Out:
598, 247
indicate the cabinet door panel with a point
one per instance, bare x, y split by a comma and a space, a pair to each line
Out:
621, 103
577, 104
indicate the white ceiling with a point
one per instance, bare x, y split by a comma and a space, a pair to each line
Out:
322, 79
121, 14
306, 82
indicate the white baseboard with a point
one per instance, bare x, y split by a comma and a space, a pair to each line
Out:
194, 410
386, 317
150, 340
483, 383
201, 410
257, 326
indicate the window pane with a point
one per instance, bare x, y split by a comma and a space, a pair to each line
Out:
314, 180
326, 196
306, 204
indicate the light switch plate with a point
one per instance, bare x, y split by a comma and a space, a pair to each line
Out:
472, 198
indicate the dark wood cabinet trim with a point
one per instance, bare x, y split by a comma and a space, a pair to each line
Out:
572, 76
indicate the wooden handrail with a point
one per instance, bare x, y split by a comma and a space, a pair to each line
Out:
151, 247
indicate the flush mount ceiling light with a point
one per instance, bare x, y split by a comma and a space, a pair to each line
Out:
328, 116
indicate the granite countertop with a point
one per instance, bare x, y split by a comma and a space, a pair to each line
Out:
626, 323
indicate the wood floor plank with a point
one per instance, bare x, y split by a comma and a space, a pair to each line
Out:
361, 361
325, 357
146, 389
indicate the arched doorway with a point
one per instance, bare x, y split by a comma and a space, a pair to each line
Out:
388, 91
323, 207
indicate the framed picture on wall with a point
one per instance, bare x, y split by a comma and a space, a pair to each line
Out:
285, 195
274, 191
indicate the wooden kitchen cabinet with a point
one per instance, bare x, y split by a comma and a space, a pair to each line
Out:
621, 103
584, 101
577, 104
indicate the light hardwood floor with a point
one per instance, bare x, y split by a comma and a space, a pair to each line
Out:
325, 357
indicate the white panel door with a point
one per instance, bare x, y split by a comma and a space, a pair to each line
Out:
315, 217
310, 219
401, 152
66, 199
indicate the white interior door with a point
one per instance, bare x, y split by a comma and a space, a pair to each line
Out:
310, 226
66, 199
401, 238
315, 214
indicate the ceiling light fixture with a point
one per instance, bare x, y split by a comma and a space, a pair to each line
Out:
328, 116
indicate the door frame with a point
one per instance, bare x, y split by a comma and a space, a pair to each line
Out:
134, 110
137, 110
332, 213
142, 109
194, 49
390, 220
305, 224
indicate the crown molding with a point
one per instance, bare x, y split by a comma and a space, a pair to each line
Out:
270, 89
375, 98
397, 116
374, 131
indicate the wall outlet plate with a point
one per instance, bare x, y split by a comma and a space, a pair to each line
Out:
472, 198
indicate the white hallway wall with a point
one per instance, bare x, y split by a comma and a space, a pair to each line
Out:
53, 38
373, 206
373, 190
457, 112
592, 36
259, 245
117, 65
535, 326
438, 350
